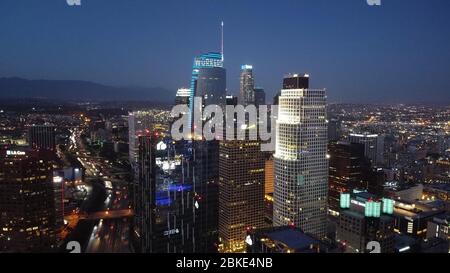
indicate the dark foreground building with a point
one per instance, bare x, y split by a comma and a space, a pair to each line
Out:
164, 201
30, 216
365, 218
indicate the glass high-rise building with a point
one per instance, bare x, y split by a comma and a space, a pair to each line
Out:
144, 196
164, 202
247, 86
203, 171
208, 81
301, 164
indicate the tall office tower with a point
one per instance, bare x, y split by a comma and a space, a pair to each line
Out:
176, 202
204, 172
42, 137
241, 192
176, 207
139, 123
334, 129
260, 96
208, 82
349, 170
182, 96
144, 196
165, 204
373, 146
28, 215
247, 86
362, 219
301, 164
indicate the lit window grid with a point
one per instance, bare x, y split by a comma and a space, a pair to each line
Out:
301, 150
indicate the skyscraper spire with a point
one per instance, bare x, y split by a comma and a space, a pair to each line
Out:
221, 48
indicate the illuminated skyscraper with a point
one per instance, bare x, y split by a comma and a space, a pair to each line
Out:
164, 201
208, 81
301, 164
247, 86
241, 191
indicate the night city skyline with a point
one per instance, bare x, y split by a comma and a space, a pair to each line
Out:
214, 135
360, 53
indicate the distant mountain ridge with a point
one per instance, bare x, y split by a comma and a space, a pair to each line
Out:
14, 87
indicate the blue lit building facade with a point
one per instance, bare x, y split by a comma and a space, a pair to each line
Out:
208, 81
164, 200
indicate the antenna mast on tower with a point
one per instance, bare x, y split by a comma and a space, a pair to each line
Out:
221, 48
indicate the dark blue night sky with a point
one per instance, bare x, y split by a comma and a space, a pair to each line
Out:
398, 52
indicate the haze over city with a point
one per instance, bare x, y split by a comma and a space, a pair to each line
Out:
393, 53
